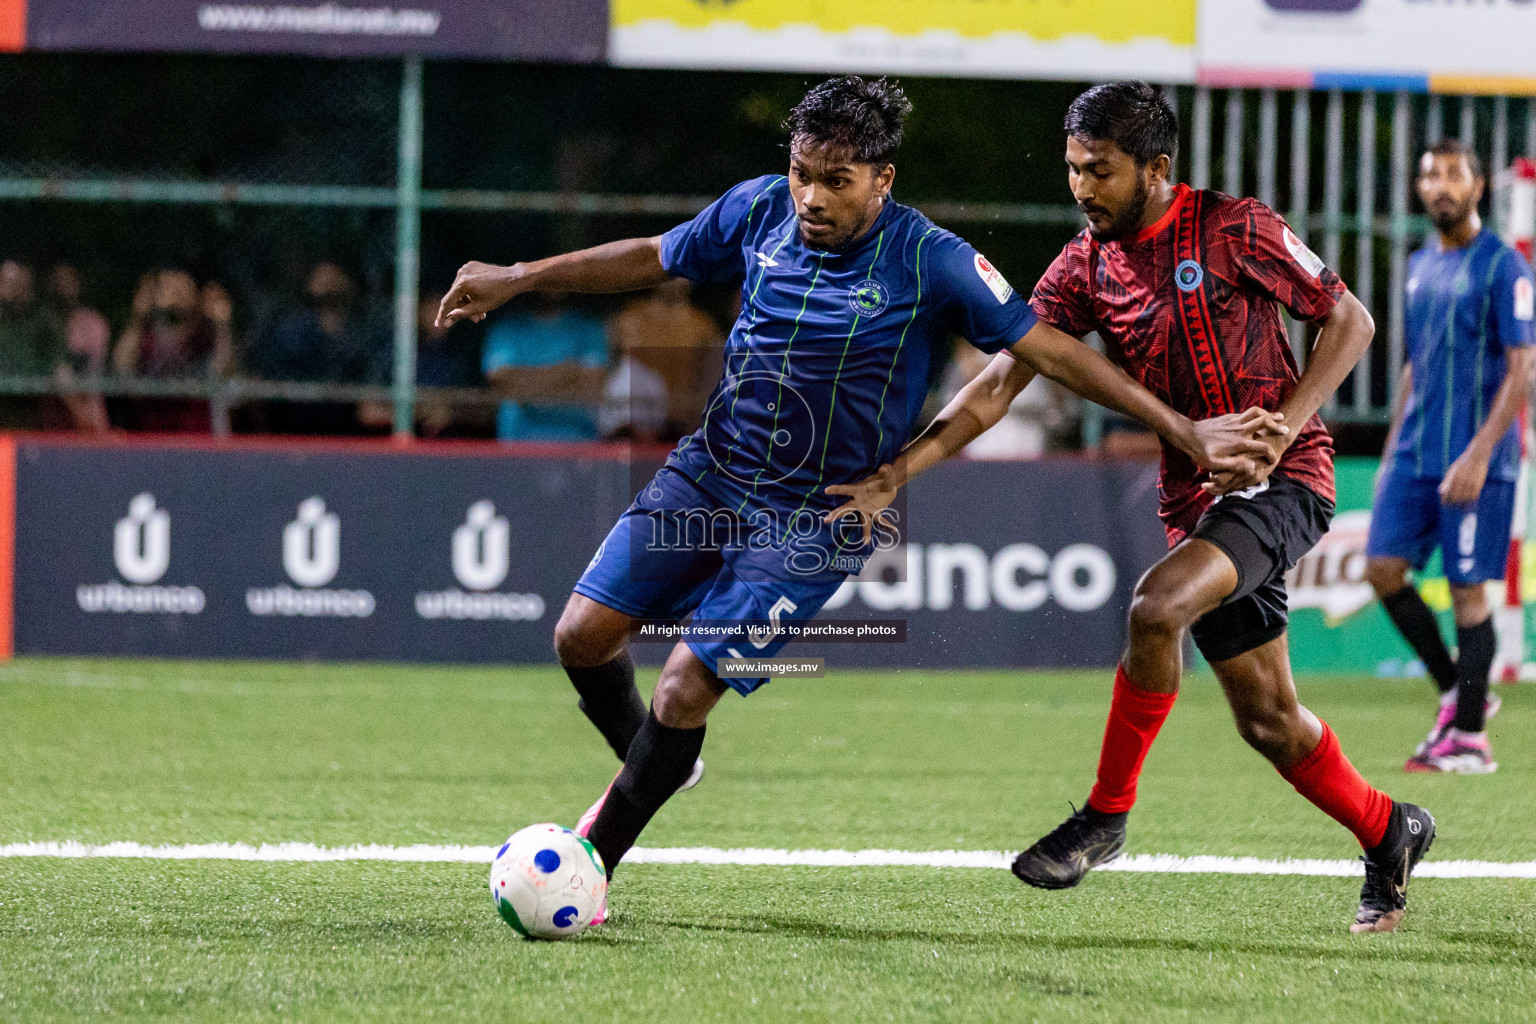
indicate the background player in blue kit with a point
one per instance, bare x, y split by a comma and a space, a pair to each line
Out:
844, 294
1453, 454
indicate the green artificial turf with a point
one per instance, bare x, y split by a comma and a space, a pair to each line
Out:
208, 752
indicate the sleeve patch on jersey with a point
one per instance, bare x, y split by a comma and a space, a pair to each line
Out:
1525, 299
993, 279
1304, 257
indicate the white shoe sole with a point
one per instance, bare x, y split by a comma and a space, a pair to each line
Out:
693, 776
1465, 764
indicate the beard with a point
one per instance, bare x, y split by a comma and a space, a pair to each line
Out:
1128, 220
1447, 217
841, 240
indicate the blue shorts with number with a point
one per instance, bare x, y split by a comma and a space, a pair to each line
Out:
1408, 520
675, 551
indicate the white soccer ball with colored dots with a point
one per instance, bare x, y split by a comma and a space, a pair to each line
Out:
548, 882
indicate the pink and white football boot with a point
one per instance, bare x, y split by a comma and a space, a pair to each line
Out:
1461, 753
584, 824
1419, 762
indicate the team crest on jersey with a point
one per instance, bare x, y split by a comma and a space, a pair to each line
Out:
1188, 275
993, 279
1304, 257
1525, 299
868, 298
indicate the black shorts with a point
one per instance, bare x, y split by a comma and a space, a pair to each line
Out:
1264, 532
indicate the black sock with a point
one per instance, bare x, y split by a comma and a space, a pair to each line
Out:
660, 760
610, 700
1417, 624
1473, 663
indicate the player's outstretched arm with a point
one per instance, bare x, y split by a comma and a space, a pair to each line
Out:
1234, 447
972, 412
615, 267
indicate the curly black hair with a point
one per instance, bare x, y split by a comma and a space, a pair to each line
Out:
1132, 115
865, 115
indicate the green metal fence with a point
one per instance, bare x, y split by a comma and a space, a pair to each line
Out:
1256, 141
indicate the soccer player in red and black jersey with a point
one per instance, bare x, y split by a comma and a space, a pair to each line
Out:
1184, 286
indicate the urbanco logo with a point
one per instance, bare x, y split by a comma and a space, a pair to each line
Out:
312, 545
141, 541
311, 558
481, 558
141, 552
482, 548
1016, 578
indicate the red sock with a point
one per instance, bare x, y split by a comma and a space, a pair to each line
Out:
1135, 716
1326, 777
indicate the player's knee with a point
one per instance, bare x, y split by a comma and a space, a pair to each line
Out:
578, 644
1470, 604
682, 700
1272, 729
1158, 612
1386, 575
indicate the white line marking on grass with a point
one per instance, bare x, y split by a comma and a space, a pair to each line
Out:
1157, 863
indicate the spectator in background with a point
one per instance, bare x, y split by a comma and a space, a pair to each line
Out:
88, 340
176, 331
329, 341
441, 362
664, 332
32, 344
634, 397
548, 350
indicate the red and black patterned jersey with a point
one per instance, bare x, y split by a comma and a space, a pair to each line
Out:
1189, 308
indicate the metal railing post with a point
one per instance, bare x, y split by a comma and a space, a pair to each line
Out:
1301, 193
1232, 151
407, 246
1269, 145
1333, 190
1365, 236
1402, 127
1200, 169
1499, 153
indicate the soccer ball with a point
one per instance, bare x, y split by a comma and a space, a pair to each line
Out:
547, 882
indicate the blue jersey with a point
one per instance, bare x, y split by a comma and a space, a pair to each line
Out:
1464, 308
828, 364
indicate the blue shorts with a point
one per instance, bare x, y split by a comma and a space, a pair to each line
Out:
676, 552
1408, 520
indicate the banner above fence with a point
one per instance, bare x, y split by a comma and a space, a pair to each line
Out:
567, 30
1063, 39
1418, 45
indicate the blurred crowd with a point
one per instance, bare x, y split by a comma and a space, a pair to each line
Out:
545, 369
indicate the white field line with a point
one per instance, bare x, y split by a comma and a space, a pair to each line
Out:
1159, 863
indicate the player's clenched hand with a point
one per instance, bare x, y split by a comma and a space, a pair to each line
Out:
866, 499
478, 289
1238, 450
1463, 482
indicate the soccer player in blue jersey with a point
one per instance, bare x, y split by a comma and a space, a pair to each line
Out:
1453, 453
844, 294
